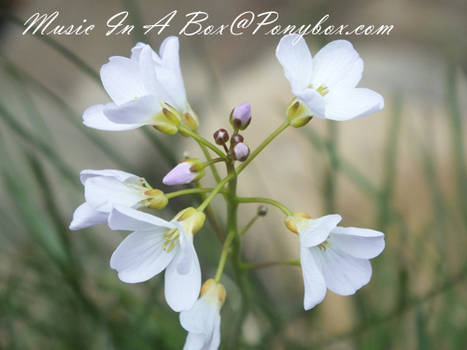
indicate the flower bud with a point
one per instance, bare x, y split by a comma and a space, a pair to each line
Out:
241, 151
215, 292
240, 117
262, 210
189, 170
298, 113
221, 136
191, 219
156, 199
237, 139
167, 120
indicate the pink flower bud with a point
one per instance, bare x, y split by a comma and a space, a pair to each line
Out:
241, 116
187, 171
241, 151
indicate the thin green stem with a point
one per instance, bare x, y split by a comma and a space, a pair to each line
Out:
248, 225
201, 140
225, 252
215, 191
262, 265
252, 156
208, 157
263, 144
187, 191
273, 202
211, 215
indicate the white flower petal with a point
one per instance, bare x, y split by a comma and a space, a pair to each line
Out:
343, 273
313, 100
103, 192
317, 230
117, 174
136, 50
295, 58
202, 322
169, 53
337, 66
352, 103
313, 280
128, 219
140, 256
138, 112
357, 242
93, 117
195, 341
147, 66
183, 276
169, 75
122, 79
85, 216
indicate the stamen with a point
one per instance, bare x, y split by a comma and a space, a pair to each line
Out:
323, 246
322, 90
171, 237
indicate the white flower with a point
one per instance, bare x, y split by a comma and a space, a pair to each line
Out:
327, 83
143, 89
105, 188
155, 245
203, 320
336, 258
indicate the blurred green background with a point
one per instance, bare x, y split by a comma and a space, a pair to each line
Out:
401, 171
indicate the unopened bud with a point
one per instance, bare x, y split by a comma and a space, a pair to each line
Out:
189, 170
262, 210
156, 199
240, 117
298, 113
221, 136
213, 292
241, 151
237, 139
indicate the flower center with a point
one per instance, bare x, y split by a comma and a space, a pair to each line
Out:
171, 238
322, 89
323, 246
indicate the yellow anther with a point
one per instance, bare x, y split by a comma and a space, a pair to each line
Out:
323, 90
323, 246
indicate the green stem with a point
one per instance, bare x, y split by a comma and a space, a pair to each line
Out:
224, 254
262, 265
263, 144
277, 204
248, 225
215, 191
187, 191
201, 140
208, 157
252, 156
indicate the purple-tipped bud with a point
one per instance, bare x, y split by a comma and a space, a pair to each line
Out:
184, 173
241, 151
221, 136
237, 139
241, 116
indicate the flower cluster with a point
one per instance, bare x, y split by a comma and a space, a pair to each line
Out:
148, 89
